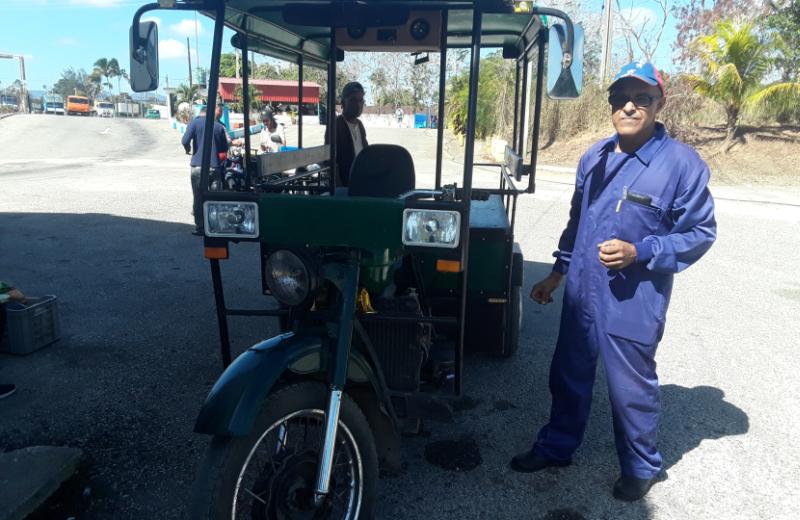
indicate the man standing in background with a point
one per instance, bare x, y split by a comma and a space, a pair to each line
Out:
192, 142
351, 137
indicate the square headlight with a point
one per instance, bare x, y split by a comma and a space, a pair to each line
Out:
431, 228
231, 219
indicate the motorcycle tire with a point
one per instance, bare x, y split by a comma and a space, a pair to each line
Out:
218, 478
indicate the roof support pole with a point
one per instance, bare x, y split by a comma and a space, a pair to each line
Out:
469, 152
537, 112
442, 87
516, 105
331, 130
300, 102
524, 112
246, 102
213, 85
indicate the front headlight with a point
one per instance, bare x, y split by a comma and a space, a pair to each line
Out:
287, 277
431, 228
231, 219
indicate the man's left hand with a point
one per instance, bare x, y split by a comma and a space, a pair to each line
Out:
616, 254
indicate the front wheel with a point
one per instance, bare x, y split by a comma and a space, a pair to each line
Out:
271, 473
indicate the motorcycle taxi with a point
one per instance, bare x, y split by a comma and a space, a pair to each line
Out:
382, 287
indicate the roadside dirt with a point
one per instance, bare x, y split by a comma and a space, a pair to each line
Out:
768, 155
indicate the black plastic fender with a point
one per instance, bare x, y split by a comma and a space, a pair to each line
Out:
236, 398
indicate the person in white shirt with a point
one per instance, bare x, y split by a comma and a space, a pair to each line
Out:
273, 136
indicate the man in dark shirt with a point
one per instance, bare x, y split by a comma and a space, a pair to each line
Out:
351, 137
192, 142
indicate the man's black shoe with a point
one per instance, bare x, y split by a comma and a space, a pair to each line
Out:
7, 389
530, 461
198, 232
631, 489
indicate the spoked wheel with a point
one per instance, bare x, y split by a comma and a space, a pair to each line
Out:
271, 474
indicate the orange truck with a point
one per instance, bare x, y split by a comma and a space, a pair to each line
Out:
78, 105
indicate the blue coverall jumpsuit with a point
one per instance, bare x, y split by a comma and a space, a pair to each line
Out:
657, 199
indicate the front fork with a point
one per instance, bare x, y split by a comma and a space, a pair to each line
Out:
345, 278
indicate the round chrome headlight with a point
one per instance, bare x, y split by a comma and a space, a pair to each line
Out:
287, 277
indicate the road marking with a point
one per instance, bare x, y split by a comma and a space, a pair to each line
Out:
106, 131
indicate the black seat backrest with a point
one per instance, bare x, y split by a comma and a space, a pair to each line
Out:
382, 170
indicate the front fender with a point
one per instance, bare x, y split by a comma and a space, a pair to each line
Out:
236, 398
234, 401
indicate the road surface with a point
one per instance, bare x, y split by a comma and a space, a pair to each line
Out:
98, 213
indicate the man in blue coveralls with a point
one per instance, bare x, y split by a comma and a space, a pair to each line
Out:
640, 213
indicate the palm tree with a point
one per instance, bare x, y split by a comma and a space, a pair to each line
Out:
255, 98
121, 74
102, 67
113, 71
91, 84
186, 93
735, 59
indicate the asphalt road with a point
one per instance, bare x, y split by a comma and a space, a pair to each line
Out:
97, 212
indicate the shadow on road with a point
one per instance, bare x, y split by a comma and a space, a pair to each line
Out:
138, 354
692, 415
140, 351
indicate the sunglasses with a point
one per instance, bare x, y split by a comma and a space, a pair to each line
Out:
639, 100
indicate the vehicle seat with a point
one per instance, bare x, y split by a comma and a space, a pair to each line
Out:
382, 170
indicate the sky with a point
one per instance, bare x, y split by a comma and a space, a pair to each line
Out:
54, 35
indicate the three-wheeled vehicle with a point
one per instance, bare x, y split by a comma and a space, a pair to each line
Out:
381, 286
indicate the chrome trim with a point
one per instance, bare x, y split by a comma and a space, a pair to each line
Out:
328, 447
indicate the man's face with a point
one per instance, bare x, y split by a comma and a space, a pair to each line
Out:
630, 118
218, 112
353, 104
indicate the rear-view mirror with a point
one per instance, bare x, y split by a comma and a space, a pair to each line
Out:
144, 57
564, 83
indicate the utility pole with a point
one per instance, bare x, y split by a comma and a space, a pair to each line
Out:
24, 94
197, 39
236, 53
189, 57
608, 39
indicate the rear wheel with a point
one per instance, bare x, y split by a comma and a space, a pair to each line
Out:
271, 473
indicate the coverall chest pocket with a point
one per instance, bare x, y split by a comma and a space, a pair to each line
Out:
637, 216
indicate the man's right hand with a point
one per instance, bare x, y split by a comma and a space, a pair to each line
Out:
16, 295
542, 292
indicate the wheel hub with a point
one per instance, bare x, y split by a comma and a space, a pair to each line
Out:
288, 486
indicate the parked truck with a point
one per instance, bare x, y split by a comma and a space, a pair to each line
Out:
54, 104
128, 109
104, 108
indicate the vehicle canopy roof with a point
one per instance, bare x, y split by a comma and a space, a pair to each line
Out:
269, 33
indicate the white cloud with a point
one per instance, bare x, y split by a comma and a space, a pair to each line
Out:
155, 19
173, 49
67, 41
186, 28
97, 3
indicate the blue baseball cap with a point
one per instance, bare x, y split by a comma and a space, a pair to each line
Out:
643, 71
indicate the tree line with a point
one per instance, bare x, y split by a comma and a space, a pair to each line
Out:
92, 85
